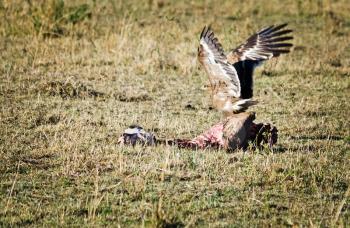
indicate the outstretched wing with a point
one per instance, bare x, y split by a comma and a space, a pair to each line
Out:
222, 75
265, 44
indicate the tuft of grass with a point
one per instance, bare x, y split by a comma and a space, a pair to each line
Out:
75, 74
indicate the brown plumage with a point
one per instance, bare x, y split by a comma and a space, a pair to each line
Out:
231, 75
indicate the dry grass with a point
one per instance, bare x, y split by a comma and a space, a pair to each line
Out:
74, 75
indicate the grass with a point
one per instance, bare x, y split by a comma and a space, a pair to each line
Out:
75, 74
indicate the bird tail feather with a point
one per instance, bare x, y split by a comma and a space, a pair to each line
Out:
243, 105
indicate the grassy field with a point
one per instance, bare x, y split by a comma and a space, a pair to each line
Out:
75, 74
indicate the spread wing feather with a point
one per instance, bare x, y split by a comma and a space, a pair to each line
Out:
223, 76
265, 44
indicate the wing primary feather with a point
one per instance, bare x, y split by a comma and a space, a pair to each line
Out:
278, 45
265, 30
265, 44
278, 51
279, 33
273, 29
203, 31
279, 39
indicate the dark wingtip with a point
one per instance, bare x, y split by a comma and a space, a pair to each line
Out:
278, 52
273, 29
279, 45
278, 33
205, 31
265, 30
280, 26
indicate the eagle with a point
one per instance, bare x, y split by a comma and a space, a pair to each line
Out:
231, 74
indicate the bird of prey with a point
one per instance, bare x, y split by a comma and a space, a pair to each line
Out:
231, 74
